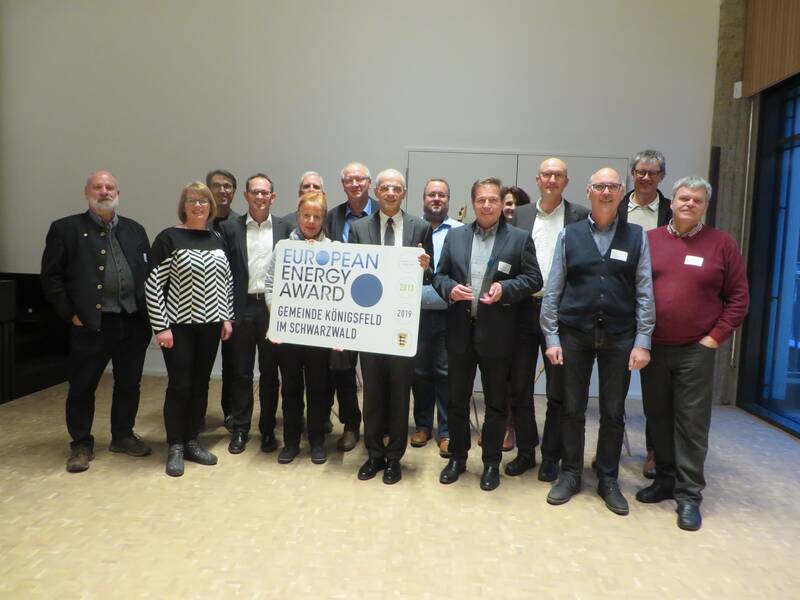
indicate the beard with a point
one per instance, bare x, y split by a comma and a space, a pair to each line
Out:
105, 205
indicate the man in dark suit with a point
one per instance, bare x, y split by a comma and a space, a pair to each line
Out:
487, 272
222, 184
542, 221
250, 240
356, 180
387, 379
647, 207
93, 271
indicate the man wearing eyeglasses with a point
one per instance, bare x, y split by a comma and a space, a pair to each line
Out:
647, 207
543, 221
598, 304
251, 239
387, 379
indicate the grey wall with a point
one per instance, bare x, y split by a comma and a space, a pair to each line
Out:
161, 91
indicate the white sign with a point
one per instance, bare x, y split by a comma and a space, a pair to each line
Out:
348, 296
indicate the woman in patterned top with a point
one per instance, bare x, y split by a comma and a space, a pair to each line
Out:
189, 295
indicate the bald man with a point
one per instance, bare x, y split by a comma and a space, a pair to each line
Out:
598, 304
93, 271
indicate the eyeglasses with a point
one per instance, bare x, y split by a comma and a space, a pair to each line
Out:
397, 189
641, 173
260, 192
197, 201
436, 195
227, 187
551, 175
611, 187
355, 179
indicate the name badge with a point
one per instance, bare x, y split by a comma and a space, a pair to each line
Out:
504, 267
694, 261
619, 255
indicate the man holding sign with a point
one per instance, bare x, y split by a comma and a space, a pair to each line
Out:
486, 271
387, 379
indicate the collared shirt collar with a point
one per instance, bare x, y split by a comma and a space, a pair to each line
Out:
366, 212
593, 225
250, 220
486, 233
546, 215
105, 225
448, 223
691, 233
633, 205
396, 217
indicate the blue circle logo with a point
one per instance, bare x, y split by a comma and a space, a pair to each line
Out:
366, 290
323, 257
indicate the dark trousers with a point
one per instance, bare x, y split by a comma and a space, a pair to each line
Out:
612, 352
521, 379
228, 370
677, 387
494, 374
342, 385
299, 363
123, 340
387, 391
189, 364
249, 335
430, 384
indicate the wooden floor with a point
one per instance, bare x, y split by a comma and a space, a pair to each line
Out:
250, 528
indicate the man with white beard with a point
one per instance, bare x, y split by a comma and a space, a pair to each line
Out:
93, 271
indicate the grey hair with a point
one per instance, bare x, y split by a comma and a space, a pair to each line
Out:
356, 164
693, 182
390, 173
649, 156
306, 174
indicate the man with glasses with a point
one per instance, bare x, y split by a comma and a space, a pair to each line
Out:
251, 239
647, 207
598, 304
387, 379
542, 221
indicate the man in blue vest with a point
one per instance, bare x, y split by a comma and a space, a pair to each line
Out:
598, 305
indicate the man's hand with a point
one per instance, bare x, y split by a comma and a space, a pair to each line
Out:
227, 331
76, 321
709, 342
494, 294
461, 292
424, 259
639, 359
165, 338
555, 355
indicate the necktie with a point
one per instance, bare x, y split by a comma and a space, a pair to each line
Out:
388, 237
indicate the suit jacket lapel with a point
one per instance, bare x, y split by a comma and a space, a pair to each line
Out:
375, 228
242, 239
408, 230
501, 237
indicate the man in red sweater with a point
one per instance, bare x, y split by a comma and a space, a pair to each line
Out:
701, 294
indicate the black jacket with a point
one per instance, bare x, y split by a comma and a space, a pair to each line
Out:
525, 215
334, 224
664, 210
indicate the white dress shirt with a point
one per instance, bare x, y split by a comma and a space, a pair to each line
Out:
259, 250
544, 234
397, 225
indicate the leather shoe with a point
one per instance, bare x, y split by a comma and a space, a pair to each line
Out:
79, 457
371, 467
194, 452
490, 478
393, 472
649, 467
318, 455
510, 440
175, 460
444, 448
454, 468
608, 489
419, 438
689, 518
655, 492
269, 443
520, 464
238, 442
348, 440
288, 454
549, 470
565, 488
131, 445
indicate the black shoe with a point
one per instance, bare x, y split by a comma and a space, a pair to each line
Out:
549, 470
175, 460
288, 454
565, 488
238, 442
454, 468
328, 427
348, 440
371, 467
228, 422
655, 492
194, 452
268, 443
318, 455
689, 518
522, 463
79, 457
608, 489
490, 478
393, 472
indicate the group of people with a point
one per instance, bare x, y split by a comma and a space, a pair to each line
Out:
636, 282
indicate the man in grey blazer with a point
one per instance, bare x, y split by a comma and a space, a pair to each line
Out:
387, 379
542, 221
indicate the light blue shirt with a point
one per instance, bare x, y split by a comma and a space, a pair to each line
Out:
430, 299
350, 216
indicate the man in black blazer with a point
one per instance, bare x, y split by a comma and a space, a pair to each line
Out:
93, 271
387, 379
487, 272
250, 240
554, 213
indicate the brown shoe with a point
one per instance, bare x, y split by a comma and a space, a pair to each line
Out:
444, 448
130, 445
649, 468
420, 437
79, 458
348, 441
510, 441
